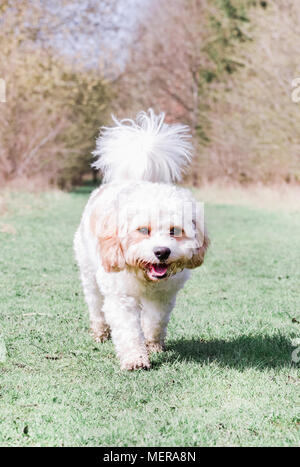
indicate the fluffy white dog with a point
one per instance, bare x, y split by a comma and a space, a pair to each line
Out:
139, 235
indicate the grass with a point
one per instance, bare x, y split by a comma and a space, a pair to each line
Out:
227, 377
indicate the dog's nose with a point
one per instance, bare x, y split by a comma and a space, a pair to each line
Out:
162, 252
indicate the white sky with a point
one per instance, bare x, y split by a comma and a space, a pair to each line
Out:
106, 38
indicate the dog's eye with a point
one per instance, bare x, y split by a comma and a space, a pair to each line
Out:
144, 230
176, 232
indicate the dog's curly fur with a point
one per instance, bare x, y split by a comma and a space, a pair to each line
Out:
139, 235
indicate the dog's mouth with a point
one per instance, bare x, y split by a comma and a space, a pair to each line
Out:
157, 271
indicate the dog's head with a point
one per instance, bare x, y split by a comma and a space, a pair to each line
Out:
154, 230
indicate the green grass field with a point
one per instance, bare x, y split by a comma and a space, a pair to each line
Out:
227, 377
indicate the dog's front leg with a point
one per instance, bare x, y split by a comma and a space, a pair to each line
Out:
154, 318
123, 316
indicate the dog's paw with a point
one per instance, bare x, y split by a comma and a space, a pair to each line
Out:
154, 347
100, 334
139, 363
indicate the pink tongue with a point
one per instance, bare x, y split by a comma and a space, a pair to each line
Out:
158, 269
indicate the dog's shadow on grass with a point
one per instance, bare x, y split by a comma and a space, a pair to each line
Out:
240, 352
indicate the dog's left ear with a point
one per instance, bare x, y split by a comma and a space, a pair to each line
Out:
203, 241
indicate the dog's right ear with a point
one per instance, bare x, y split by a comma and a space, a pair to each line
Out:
199, 253
104, 225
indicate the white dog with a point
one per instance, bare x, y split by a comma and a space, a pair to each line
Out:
139, 235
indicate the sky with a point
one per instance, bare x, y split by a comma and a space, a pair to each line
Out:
96, 37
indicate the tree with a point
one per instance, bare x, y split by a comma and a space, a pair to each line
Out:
54, 106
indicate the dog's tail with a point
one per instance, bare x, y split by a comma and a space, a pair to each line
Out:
148, 149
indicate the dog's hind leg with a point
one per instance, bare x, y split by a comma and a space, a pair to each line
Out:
99, 328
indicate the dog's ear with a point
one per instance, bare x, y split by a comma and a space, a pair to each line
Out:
104, 225
111, 253
197, 258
